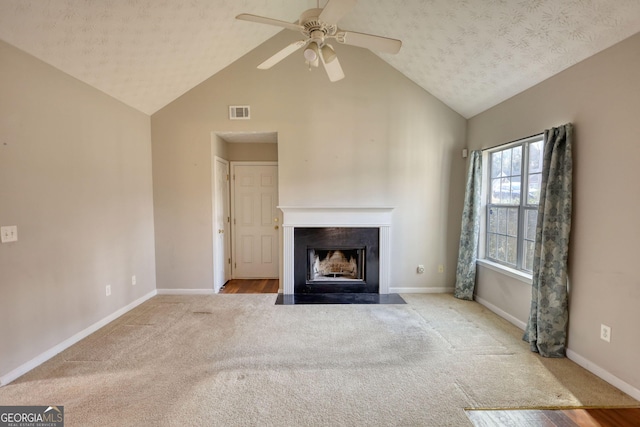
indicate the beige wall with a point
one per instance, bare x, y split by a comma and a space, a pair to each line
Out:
601, 96
75, 177
252, 152
372, 139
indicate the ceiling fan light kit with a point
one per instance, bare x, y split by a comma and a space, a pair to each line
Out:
311, 52
328, 53
319, 25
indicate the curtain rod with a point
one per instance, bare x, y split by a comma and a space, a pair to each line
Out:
512, 142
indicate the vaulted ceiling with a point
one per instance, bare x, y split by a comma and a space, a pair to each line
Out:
471, 54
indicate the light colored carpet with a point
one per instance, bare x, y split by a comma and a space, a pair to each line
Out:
240, 360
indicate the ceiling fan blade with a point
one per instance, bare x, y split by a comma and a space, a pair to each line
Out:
335, 10
282, 54
333, 68
369, 41
269, 21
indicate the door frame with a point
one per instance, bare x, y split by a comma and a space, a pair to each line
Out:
226, 246
233, 209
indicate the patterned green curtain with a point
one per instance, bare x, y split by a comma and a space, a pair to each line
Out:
470, 233
547, 328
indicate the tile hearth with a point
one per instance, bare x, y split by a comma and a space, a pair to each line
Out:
339, 298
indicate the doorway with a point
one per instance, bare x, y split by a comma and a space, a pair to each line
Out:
255, 220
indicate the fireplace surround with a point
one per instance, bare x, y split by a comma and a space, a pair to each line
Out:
338, 220
336, 260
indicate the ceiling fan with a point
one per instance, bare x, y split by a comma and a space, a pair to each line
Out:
318, 26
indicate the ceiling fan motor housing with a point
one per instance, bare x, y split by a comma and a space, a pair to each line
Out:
311, 23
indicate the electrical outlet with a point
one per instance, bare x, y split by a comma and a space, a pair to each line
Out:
108, 290
9, 233
420, 269
605, 333
133, 280
441, 268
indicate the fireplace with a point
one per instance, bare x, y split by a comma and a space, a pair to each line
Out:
336, 259
348, 246
335, 264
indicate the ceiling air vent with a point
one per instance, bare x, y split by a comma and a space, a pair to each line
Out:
239, 112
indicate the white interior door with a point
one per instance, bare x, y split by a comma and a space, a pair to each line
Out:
256, 220
221, 224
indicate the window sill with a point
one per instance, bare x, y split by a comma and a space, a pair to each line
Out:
511, 272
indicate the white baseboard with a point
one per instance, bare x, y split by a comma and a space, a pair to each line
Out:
400, 290
605, 375
40, 359
508, 317
185, 292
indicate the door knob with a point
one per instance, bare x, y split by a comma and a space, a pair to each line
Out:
276, 227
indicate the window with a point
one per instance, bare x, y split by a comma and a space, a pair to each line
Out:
512, 206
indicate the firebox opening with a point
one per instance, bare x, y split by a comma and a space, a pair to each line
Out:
335, 264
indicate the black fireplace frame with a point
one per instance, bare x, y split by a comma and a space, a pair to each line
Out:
336, 237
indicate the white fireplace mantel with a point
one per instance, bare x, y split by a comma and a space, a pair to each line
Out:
304, 216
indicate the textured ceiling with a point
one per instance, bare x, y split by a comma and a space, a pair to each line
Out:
471, 54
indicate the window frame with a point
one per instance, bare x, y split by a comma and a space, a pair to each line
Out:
522, 207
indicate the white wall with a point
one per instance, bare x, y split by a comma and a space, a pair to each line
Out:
75, 177
372, 139
601, 96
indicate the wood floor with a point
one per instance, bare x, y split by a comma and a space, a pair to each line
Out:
252, 286
587, 417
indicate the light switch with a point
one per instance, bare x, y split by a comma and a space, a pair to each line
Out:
9, 233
